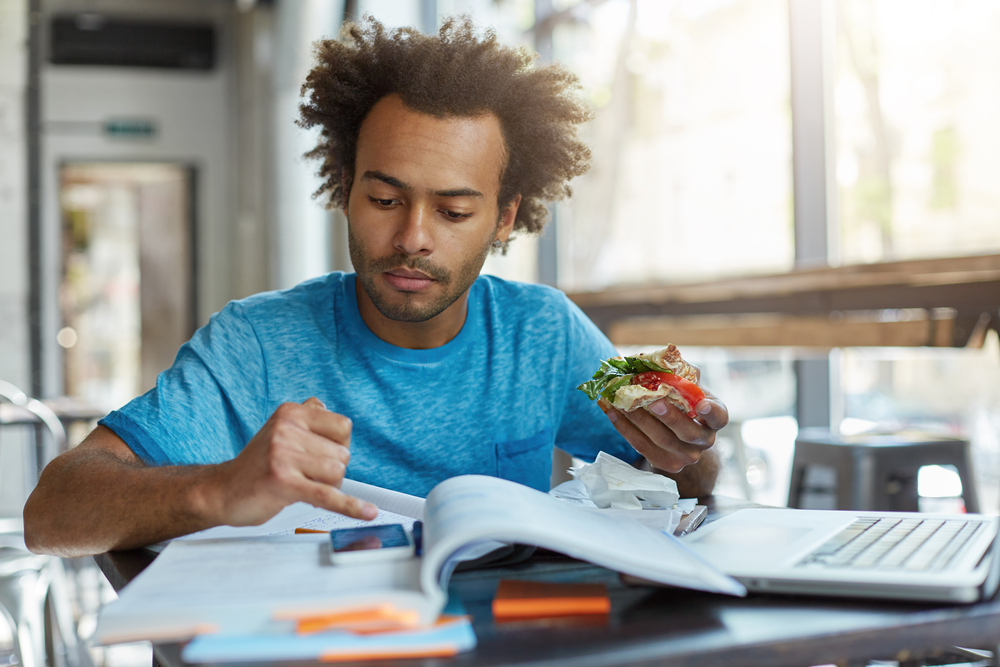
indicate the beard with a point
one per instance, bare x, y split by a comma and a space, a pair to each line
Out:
406, 306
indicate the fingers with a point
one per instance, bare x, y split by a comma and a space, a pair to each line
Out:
316, 445
326, 469
664, 413
329, 498
313, 416
659, 444
328, 424
712, 412
667, 437
292, 440
677, 437
300, 454
311, 444
316, 480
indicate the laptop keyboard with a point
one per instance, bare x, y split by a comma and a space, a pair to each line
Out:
895, 544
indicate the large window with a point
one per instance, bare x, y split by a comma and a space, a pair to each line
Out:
917, 142
692, 181
917, 155
691, 142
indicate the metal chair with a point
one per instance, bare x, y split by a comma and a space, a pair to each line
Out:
36, 626
30, 411
25, 581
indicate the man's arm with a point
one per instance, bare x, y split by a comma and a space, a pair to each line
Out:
100, 496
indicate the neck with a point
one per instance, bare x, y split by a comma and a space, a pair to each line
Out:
435, 332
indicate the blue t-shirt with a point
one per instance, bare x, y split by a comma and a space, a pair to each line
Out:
494, 400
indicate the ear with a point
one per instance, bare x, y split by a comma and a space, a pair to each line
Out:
507, 216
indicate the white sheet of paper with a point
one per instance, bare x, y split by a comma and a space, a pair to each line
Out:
386, 499
241, 586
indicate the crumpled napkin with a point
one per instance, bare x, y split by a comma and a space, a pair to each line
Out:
612, 483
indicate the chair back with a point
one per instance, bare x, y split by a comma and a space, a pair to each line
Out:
32, 587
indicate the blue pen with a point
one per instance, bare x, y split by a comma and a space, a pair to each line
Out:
418, 538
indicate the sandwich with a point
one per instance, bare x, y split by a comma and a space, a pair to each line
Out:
630, 383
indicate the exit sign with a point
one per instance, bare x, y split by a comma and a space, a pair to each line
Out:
130, 129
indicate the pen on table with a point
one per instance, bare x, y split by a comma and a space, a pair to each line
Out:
691, 521
303, 531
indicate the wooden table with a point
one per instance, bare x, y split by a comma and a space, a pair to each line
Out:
671, 626
943, 302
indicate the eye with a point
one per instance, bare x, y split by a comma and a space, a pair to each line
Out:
454, 215
384, 203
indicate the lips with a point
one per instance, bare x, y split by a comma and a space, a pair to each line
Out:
408, 281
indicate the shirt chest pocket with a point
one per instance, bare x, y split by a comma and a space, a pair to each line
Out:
527, 461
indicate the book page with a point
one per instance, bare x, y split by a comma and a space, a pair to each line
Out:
394, 507
243, 586
297, 515
386, 499
472, 508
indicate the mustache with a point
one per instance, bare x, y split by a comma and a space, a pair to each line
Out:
400, 261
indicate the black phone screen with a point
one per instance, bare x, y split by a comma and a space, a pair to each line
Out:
369, 537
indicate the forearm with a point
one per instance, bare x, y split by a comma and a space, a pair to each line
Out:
100, 496
90, 500
696, 480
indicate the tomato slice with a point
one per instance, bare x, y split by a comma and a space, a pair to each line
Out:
688, 390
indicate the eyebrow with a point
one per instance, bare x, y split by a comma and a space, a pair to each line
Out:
396, 183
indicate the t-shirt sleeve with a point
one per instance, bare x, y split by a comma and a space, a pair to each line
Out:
585, 430
207, 405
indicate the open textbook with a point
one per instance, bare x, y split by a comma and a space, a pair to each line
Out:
239, 585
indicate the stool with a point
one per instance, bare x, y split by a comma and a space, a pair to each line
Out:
875, 472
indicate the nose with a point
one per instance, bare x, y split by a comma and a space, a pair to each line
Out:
413, 236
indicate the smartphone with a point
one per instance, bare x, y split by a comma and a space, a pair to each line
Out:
371, 543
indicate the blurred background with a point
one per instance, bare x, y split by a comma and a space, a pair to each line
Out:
802, 193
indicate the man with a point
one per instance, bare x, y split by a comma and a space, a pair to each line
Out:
410, 371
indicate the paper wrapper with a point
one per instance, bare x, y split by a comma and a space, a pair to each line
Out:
612, 483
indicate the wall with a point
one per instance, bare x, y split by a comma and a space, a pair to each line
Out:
14, 352
197, 124
257, 227
301, 234
14, 365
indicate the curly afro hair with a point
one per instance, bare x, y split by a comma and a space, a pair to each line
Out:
456, 73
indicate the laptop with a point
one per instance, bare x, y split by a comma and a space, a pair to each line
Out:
897, 555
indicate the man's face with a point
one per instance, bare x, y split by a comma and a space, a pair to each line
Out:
422, 212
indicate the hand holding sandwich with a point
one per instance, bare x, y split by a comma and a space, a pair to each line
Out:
679, 419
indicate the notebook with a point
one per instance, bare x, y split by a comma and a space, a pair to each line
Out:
897, 555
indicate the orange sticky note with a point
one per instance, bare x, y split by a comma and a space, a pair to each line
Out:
383, 618
531, 599
401, 652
